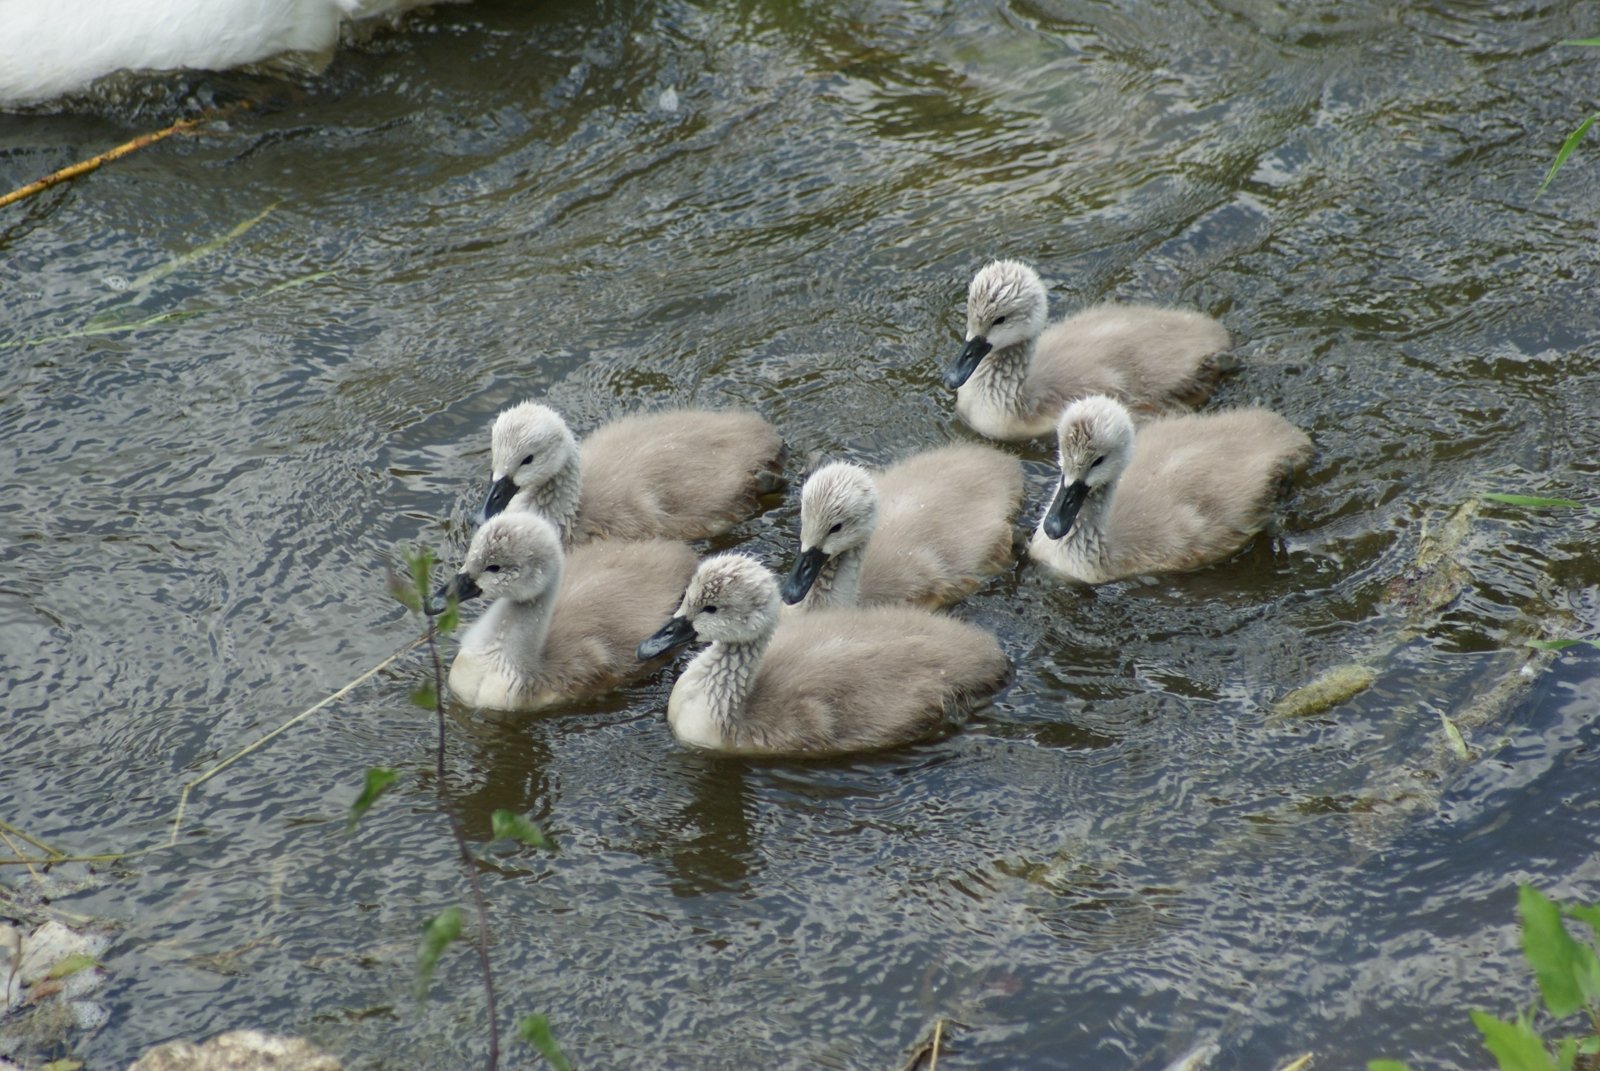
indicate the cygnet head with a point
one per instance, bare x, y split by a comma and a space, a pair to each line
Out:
1006, 305
732, 598
838, 513
530, 444
1095, 440
515, 556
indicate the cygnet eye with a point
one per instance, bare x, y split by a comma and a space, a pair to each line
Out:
998, 320
836, 529
528, 460
708, 609
491, 568
1096, 462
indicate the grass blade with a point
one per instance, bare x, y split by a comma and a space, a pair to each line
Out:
1533, 501
1566, 151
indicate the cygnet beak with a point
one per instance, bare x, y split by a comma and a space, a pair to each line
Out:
806, 568
966, 362
462, 586
679, 632
501, 492
1064, 508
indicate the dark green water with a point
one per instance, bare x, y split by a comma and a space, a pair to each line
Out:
1125, 859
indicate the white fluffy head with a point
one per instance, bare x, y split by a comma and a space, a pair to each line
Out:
1006, 304
516, 556
732, 598
1095, 440
838, 508
530, 443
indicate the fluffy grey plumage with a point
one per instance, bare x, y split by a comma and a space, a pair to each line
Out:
829, 682
680, 474
562, 626
926, 531
1015, 375
1186, 491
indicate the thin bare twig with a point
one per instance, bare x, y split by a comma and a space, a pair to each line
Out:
467, 859
83, 167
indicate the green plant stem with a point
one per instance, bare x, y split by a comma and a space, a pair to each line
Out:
467, 859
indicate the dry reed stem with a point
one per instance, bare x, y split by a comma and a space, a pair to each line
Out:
55, 856
928, 1048
183, 797
36, 842
83, 167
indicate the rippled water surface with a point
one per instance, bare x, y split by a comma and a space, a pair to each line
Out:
243, 369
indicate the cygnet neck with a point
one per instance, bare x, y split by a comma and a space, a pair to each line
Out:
557, 498
1000, 379
724, 675
511, 635
838, 582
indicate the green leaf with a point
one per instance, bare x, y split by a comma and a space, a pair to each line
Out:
1566, 151
1566, 1053
403, 591
379, 778
1584, 913
1590, 1046
1535, 501
1388, 1065
436, 937
449, 617
1453, 737
70, 965
1583, 41
1568, 972
421, 562
425, 697
1515, 1046
511, 824
1559, 645
535, 1030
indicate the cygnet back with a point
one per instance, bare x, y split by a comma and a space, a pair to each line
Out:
685, 474
838, 681
612, 597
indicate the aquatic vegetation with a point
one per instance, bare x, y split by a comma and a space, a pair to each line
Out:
1568, 971
445, 928
1573, 138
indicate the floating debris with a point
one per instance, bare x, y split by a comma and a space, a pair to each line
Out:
48, 976
1328, 690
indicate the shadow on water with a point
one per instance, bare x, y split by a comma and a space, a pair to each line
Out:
243, 369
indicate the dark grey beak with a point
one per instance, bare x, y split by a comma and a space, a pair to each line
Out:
1064, 508
966, 362
501, 492
806, 568
462, 586
679, 632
